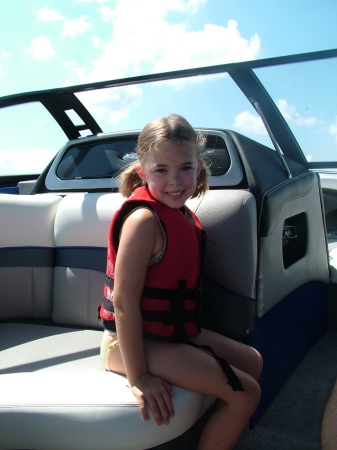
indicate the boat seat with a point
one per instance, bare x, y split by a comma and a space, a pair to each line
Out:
52, 270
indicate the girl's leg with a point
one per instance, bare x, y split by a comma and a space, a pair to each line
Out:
239, 355
198, 371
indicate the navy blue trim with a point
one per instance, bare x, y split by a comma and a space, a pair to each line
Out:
27, 257
92, 258
285, 334
14, 190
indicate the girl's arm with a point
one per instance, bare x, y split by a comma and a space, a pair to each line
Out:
138, 241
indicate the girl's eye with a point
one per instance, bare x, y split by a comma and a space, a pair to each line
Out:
187, 168
161, 170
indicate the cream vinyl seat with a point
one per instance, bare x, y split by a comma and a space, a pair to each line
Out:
52, 264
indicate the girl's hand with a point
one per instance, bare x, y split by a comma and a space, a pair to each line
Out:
157, 394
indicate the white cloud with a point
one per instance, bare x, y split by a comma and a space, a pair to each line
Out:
249, 123
153, 44
333, 129
290, 113
41, 48
107, 13
24, 162
112, 105
4, 55
213, 45
49, 15
169, 46
71, 28
75, 27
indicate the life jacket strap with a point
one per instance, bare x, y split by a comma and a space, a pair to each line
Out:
163, 294
108, 305
177, 314
166, 317
233, 379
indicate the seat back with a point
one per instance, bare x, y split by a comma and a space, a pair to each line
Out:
81, 232
81, 235
229, 219
27, 251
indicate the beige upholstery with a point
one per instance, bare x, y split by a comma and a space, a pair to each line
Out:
54, 373
52, 382
82, 221
26, 222
89, 411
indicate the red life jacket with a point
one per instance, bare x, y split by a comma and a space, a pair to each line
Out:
170, 302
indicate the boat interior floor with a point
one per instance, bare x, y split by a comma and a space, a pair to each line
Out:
294, 419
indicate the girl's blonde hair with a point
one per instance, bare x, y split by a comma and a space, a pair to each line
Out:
172, 128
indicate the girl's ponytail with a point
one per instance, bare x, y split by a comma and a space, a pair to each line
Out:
129, 180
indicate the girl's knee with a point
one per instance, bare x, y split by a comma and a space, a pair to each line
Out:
259, 364
243, 403
256, 363
251, 394
249, 398
256, 392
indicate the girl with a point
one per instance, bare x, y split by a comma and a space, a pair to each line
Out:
150, 297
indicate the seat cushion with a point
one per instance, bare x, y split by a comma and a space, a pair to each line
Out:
52, 383
31, 348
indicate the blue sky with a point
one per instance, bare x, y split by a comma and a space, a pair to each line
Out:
51, 43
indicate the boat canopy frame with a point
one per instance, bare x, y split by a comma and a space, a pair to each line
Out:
59, 101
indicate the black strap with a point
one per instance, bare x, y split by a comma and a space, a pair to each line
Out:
178, 310
161, 294
126, 208
233, 380
109, 281
167, 317
176, 315
109, 325
108, 305
154, 316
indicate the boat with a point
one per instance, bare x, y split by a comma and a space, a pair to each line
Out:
271, 263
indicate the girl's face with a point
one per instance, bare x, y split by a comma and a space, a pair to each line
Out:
170, 173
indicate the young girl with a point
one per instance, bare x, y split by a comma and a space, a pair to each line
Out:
151, 292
